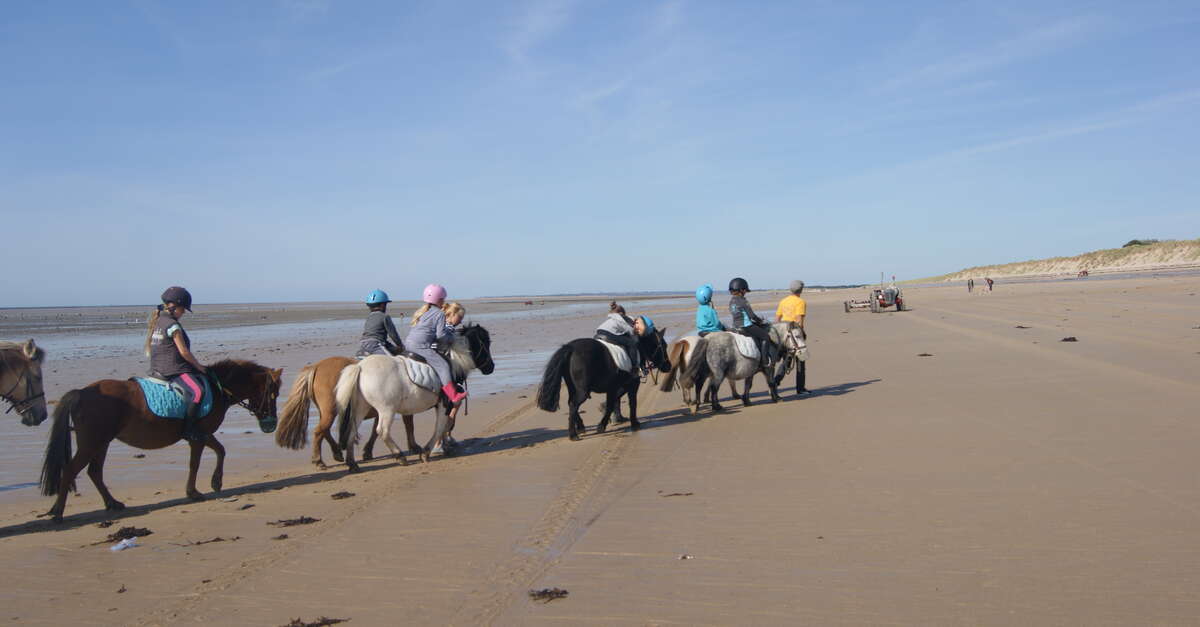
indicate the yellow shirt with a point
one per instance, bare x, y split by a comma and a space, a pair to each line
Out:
791, 308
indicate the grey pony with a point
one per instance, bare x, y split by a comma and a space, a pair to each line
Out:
717, 358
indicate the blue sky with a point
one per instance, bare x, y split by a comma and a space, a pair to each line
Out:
313, 150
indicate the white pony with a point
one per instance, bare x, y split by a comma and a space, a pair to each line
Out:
383, 383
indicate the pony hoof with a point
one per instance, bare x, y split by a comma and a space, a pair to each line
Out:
115, 506
635, 426
602, 428
353, 469
424, 455
574, 437
402, 459
54, 518
367, 457
196, 496
321, 465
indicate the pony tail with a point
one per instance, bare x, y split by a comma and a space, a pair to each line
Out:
152, 321
418, 313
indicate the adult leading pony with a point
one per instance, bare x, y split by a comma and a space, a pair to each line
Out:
382, 383
716, 357
110, 409
585, 366
21, 381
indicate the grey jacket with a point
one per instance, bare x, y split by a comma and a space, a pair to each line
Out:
379, 326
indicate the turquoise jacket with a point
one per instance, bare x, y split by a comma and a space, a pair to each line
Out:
707, 319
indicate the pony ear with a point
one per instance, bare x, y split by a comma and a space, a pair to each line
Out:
276, 373
30, 349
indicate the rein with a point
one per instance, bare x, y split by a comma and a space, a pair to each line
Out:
25, 404
244, 404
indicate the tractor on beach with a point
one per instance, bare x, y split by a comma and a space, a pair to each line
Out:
881, 298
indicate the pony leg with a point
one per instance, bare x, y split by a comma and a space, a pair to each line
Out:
714, 391
746, 390
66, 485
574, 422
634, 425
769, 375
95, 472
439, 431
218, 475
193, 468
409, 431
368, 450
611, 400
383, 428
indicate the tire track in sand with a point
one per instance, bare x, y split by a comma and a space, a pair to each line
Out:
559, 527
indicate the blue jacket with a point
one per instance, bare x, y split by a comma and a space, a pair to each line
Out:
707, 319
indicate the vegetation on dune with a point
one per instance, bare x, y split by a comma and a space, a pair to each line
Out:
1135, 254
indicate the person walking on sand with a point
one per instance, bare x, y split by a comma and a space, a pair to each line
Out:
430, 326
970, 285
990, 282
792, 310
379, 335
171, 358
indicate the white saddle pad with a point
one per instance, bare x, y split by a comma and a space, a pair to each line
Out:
619, 355
745, 345
422, 374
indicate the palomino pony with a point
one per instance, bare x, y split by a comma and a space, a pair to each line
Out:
717, 356
21, 381
315, 384
382, 383
586, 366
110, 409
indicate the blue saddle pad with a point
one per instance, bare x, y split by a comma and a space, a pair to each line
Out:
165, 402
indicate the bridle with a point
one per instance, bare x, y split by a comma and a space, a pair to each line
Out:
25, 404
660, 348
264, 403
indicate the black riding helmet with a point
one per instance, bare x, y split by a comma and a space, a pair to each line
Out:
738, 283
179, 296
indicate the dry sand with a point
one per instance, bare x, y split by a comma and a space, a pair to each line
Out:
1008, 478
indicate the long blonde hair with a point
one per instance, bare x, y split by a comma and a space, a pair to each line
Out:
153, 320
452, 308
420, 312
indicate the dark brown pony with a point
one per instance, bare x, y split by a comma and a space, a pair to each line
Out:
110, 409
316, 383
21, 381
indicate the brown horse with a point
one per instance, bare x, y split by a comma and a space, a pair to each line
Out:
110, 409
21, 381
316, 383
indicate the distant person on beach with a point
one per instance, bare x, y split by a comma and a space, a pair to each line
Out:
171, 358
379, 335
707, 320
970, 285
619, 329
792, 310
431, 325
745, 321
990, 282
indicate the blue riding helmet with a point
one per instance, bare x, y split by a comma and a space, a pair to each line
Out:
378, 296
649, 324
704, 294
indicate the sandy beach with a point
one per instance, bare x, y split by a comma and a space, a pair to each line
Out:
955, 464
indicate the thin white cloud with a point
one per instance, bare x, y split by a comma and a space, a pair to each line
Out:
540, 21
1028, 45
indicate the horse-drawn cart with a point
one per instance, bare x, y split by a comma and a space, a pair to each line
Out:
880, 299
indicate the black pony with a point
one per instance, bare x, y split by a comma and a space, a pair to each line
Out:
586, 366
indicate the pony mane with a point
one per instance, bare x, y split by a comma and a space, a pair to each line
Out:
19, 348
461, 361
235, 365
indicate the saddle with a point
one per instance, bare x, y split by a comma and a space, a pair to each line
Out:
746, 346
619, 355
420, 372
165, 399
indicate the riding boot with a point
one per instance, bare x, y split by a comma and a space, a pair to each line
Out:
452, 393
191, 427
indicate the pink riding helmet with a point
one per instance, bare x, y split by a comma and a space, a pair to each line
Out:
434, 294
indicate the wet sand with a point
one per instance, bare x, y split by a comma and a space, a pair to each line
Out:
1005, 478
